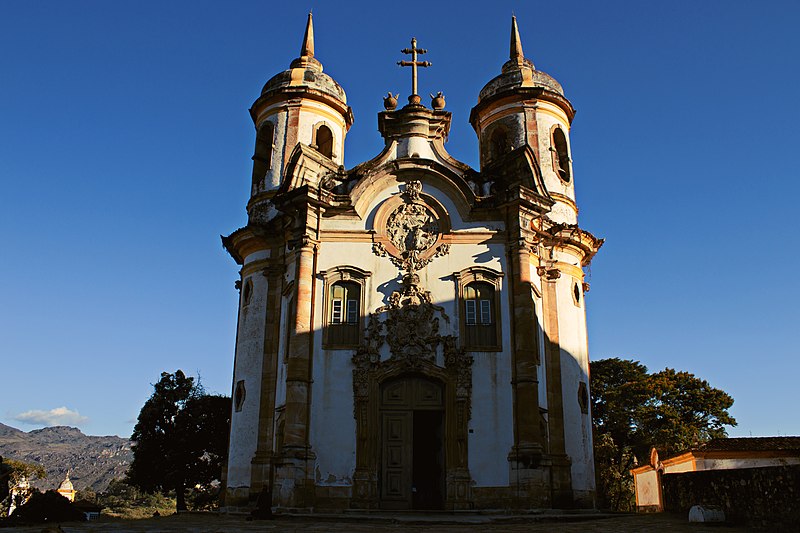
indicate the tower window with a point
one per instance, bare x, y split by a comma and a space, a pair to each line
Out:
498, 143
262, 158
324, 141
560, 151
479, 307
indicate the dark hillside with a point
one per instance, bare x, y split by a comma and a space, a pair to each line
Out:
92, 461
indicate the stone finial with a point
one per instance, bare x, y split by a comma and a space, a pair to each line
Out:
390, 102
437, 102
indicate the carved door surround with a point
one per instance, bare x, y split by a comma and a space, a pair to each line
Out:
412, 447
410, 325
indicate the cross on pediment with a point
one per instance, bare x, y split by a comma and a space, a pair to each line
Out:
414, 51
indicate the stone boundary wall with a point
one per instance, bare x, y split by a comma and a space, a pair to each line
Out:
766, 496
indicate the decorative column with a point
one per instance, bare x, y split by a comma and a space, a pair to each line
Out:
294, 476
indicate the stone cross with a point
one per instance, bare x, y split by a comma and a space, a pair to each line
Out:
414, 63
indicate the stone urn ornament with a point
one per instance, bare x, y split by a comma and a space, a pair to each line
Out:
390, 102
437, 102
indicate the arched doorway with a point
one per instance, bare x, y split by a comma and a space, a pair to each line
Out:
412, 447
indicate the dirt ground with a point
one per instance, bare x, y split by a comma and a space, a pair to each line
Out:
213, 523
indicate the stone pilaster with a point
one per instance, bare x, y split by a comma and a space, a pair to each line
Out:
528, 445
294, 469
529, 474
262, 463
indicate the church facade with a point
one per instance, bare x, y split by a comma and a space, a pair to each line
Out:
412, 331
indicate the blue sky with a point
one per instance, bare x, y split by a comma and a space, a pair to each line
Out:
125, 147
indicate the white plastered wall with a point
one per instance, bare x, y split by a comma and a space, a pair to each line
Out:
574, 370
548, 116
332, 423
744, 462
248, 368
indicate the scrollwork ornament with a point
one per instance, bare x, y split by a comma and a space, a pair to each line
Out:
379, 249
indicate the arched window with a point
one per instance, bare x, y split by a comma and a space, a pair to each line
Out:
479, 307
479, 315
262, 158
344, 303
324, 141
498, 143
560, 153
344, 313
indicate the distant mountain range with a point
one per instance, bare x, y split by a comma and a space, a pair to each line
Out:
92, 461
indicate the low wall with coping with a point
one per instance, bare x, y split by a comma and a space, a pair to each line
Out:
755, 496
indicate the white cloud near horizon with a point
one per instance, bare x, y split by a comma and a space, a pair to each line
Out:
60, 416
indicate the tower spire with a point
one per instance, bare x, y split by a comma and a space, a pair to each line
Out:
308, 39
516, 58
306, 59
516, 44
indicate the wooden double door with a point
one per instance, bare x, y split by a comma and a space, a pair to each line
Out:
412, 415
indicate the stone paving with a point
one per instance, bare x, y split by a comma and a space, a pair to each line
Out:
447, 523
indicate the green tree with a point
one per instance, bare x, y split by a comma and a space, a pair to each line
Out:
180, 438
633, 411
12, 472
21, 469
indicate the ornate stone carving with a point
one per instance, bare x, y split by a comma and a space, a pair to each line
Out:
410, 323
412, 227
412, 231
379, 249
550, 274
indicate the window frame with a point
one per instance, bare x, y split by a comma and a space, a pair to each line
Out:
330, 277
492, 278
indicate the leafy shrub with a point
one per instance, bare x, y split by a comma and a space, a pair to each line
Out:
48, 507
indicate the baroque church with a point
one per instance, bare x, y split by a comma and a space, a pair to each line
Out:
412, 331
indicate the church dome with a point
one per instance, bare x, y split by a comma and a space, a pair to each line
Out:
519, 72
66, 485
305, 77
305, 72
524, 76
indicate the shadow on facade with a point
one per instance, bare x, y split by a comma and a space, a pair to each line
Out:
411, 416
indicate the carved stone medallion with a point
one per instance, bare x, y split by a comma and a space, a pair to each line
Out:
412, 230
412, 226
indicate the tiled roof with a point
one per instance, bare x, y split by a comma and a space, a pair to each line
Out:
742, 444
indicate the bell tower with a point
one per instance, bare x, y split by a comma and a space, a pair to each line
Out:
524, 106
301, 105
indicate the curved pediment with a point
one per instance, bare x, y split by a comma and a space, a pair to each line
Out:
373, 184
